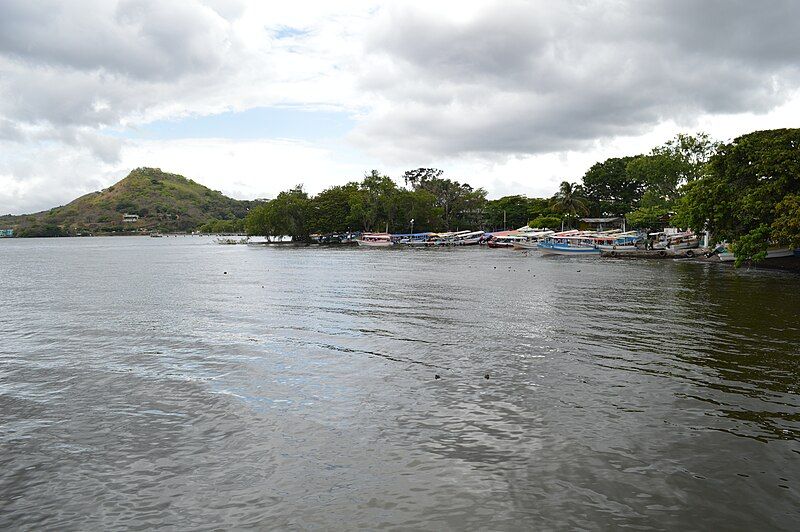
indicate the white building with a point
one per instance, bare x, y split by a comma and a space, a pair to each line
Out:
130, 218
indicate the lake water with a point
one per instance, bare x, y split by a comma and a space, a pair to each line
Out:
142, 386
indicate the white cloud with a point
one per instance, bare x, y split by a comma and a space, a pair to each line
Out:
513, 96
244, 168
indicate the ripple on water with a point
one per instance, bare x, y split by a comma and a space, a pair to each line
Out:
298, 391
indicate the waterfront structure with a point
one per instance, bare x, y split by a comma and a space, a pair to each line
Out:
6, 233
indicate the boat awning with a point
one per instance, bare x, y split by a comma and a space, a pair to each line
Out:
601, 220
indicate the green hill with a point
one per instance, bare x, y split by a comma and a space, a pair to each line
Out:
163, 202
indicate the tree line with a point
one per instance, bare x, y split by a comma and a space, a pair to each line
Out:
746, 192
377, 203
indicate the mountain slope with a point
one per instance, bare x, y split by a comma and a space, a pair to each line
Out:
164, 202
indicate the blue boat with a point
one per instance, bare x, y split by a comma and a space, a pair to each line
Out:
570, 243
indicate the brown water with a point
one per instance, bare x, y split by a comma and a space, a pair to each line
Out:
142, 387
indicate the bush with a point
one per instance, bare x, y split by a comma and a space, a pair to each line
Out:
549, 222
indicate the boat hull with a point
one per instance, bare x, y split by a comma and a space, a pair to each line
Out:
624, 247
374, 244
775, 253
569, 250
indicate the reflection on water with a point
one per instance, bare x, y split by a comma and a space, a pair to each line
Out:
141, 386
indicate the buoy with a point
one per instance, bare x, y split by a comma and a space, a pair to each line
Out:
224, 273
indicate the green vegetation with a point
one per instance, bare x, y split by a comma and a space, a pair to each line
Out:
164, 202
745, 192
748, 194
377, 203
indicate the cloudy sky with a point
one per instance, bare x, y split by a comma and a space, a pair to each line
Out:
252, 97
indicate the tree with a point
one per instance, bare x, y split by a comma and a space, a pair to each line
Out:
670, 166
653, 213
332, 210
546, 222
460, 204
612, 190
508, 211
288, 214
569, 200
421, 176
747, 190
786, 226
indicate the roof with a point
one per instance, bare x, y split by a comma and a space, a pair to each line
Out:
601, 220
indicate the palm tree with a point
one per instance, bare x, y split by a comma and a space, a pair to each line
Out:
569, 201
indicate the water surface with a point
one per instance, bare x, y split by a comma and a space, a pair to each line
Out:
176, 383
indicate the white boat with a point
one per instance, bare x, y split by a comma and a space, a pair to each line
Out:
375, 240
570, 243
726, 255
685, 240
505, 241
469, 238
618, 241
532, 239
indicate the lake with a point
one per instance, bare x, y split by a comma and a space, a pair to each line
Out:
177, 383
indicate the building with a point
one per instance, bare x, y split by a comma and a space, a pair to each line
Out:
6, 233
130, 218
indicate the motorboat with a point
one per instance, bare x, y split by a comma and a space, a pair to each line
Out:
570, 243
626, 241
774, 252
532, 238
375, 240
680, 240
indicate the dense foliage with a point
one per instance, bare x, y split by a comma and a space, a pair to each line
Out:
376, 203
749, 194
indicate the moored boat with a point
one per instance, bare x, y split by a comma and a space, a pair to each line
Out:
531, 239
627, 241
375, 240
570, 243
726, 255
469, 238
504, 241
684, 240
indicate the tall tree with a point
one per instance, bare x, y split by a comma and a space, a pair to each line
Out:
748, 187
670, 166
288, 214
569, 200
613, 192
460, 204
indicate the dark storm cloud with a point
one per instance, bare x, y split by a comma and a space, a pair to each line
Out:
542, 77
